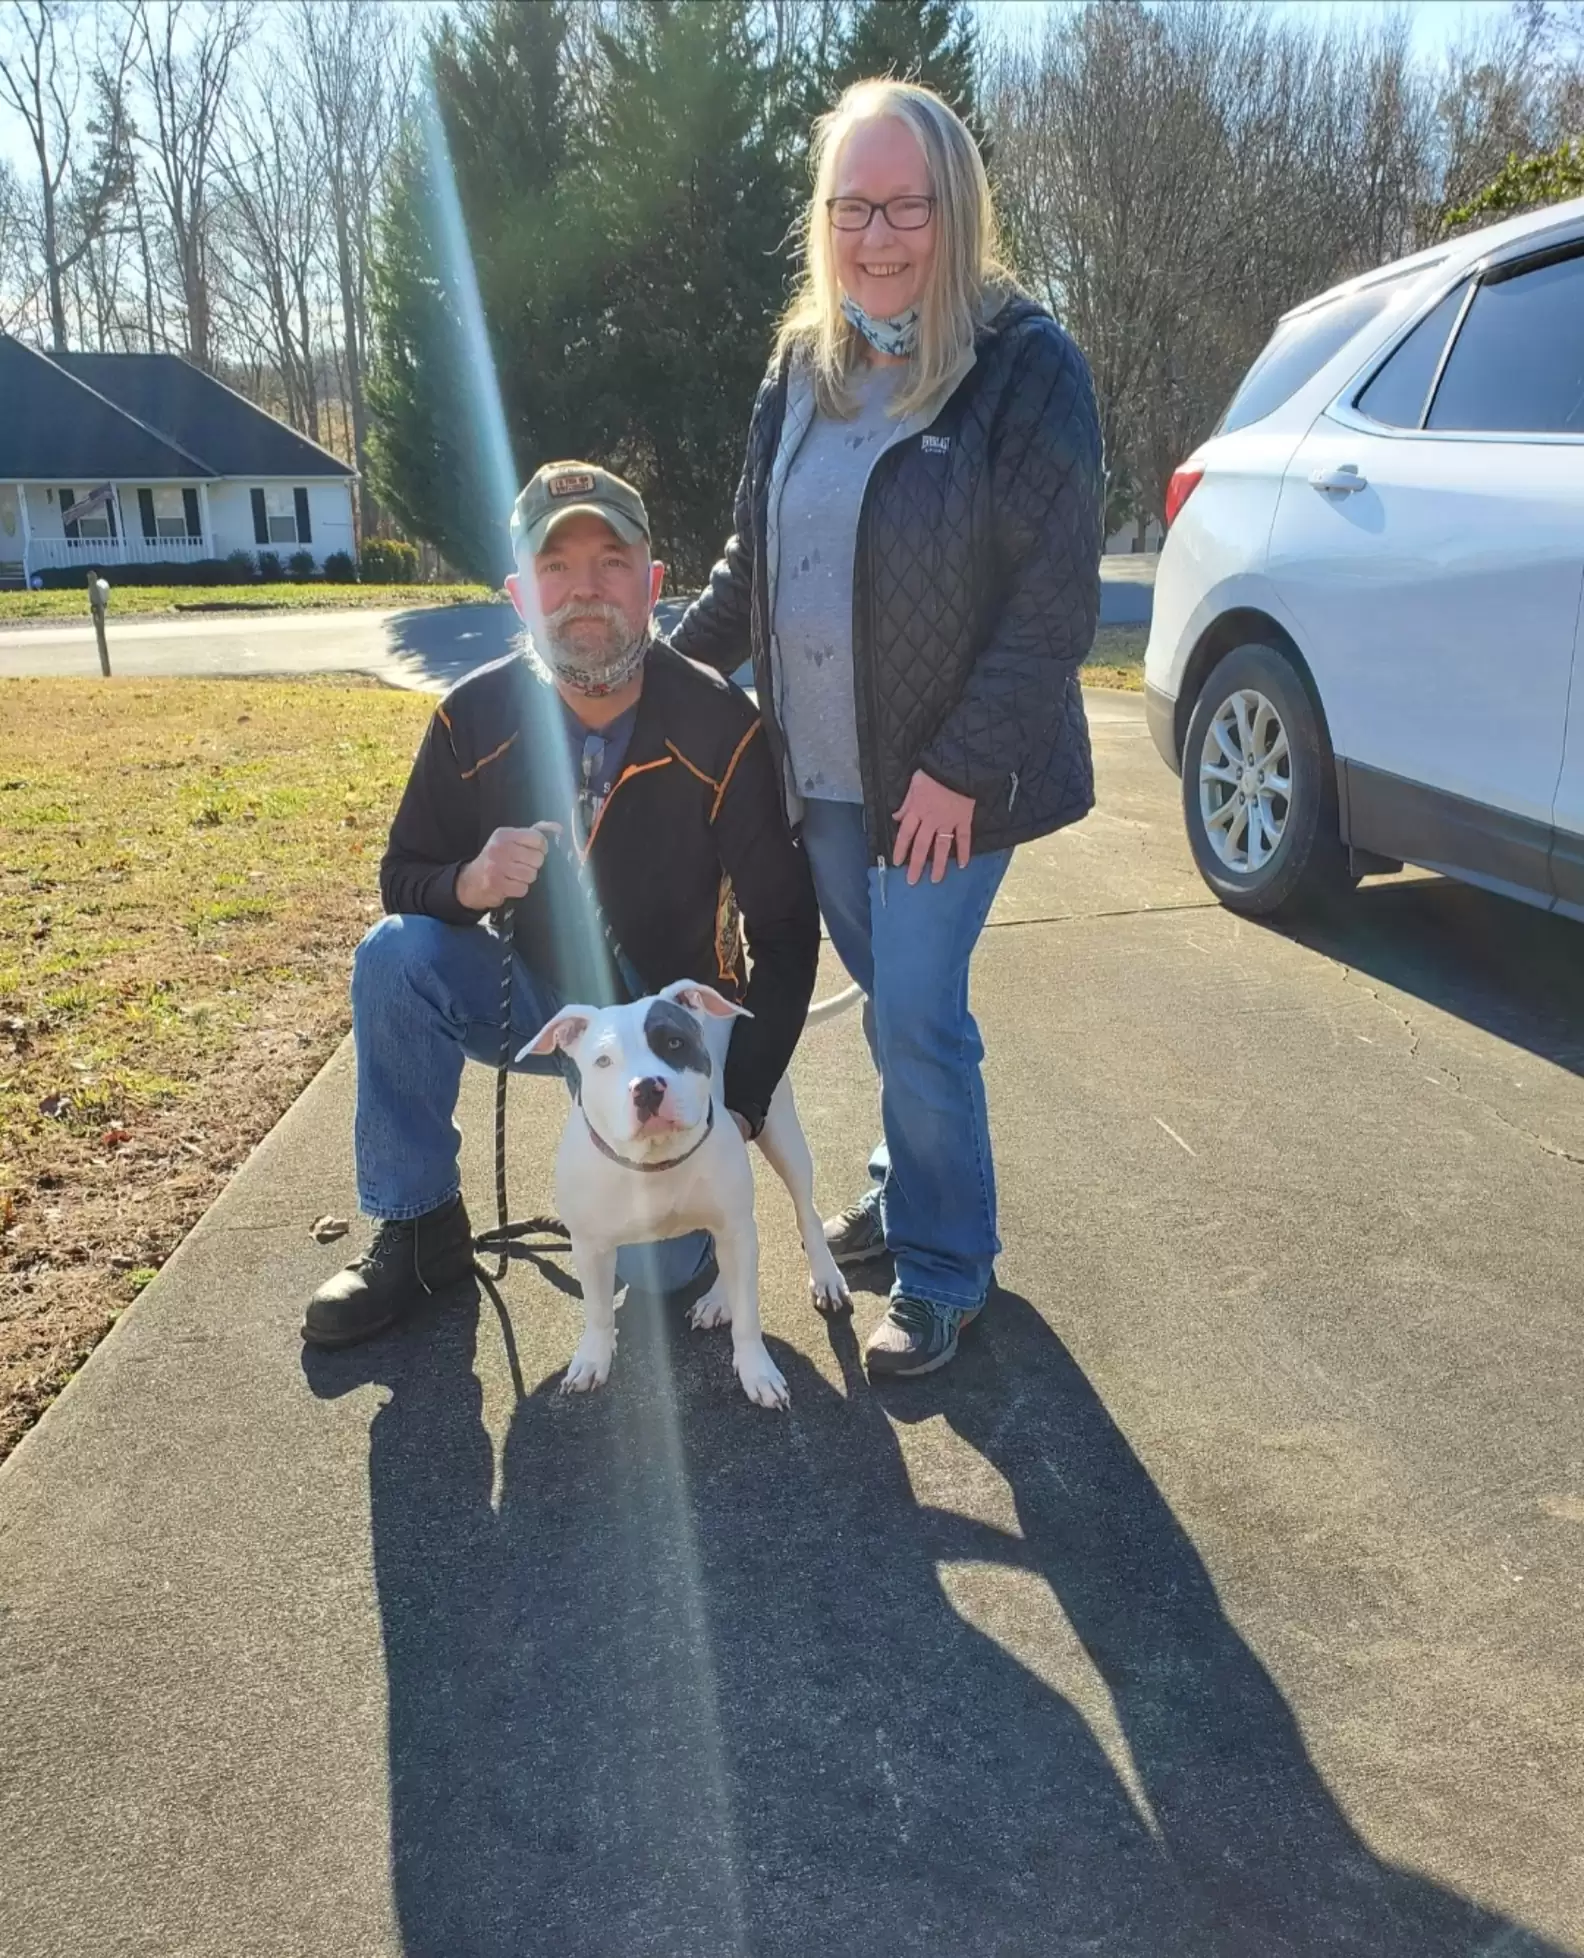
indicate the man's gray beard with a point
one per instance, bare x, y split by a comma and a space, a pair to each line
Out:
593, 674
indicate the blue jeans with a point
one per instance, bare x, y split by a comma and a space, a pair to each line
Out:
909, 947
426, 997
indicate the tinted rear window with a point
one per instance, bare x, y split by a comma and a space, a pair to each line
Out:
1299, 348
1518, 364
1400, 390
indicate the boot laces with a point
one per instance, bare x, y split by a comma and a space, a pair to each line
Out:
393, 1245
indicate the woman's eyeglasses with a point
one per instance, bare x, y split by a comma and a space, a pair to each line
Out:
900, 213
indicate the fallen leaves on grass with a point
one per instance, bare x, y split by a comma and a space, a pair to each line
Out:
192, 978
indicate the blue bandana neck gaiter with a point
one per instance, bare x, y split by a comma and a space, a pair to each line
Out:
897, 337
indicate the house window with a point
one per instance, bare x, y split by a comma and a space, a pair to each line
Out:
280, 516
98, 523
166, 512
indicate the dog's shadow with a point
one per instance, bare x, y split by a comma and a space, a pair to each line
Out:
696, 1684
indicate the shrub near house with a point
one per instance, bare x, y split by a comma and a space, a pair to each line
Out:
388, 561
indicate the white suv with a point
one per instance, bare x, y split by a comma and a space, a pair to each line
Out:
1367, 646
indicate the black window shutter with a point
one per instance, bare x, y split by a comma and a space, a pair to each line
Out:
67, 498
110, 513
146, 512
190, 506
260, 520
304, 528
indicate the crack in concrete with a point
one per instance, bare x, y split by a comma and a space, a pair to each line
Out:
1450, 1078
1103, 917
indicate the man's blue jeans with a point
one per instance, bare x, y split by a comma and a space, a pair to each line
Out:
909, 947
426, 997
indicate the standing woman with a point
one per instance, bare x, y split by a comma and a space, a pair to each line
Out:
915, 571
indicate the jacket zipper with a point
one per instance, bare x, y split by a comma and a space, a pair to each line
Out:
863, 648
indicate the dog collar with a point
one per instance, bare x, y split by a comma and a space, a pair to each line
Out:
650, 1169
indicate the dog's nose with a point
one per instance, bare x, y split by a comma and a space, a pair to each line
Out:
648, 1097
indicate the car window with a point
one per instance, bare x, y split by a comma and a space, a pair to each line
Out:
1300, 347
1518, 363
1398, 393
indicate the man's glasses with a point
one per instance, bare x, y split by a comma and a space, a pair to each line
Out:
900, 213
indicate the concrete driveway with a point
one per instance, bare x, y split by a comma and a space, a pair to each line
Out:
1223, 1599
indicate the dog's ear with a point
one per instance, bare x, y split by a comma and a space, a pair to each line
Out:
565, 1030
705, 1001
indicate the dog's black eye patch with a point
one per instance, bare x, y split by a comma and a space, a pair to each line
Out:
674, 1037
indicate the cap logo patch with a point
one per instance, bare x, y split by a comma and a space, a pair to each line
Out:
575, 482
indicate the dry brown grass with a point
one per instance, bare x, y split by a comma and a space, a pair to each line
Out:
185, 866
1118, 658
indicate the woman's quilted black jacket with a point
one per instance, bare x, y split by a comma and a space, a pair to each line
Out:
976, 589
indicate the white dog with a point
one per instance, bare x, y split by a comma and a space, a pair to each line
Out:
649, 1152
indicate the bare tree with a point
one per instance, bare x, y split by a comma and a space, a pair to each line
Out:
183, 57
358, 62
1175, 178
17, 280
275, 220
63, 74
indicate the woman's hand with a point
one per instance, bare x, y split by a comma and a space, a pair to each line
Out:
932, 821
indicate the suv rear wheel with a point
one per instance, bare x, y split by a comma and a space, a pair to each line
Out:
1259, 789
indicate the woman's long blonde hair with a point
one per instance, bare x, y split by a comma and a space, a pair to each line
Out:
966, 261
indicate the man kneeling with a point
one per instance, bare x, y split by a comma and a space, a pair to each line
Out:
628, 800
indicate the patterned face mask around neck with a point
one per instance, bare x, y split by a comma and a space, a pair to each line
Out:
897, 337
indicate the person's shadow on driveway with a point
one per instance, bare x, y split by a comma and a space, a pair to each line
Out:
694, 1683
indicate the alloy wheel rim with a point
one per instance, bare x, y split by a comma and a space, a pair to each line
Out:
1245, 782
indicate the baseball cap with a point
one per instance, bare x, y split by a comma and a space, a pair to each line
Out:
576, 489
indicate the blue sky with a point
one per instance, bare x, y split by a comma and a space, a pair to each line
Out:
1436, 24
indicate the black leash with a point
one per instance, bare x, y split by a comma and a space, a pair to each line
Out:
550, 1230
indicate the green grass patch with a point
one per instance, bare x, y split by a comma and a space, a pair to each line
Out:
142, 601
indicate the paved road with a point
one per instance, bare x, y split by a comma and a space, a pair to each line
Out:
431, 648
1223, 1599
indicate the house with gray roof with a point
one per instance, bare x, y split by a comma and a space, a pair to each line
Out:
110, 459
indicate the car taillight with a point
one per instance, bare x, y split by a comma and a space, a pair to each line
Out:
1182, 485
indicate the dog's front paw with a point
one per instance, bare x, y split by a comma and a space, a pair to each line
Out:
590, 1365
827, 1287
713, 1310
760, 1376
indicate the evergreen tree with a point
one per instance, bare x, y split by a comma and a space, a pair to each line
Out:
692, 186
630, 265
499, 83
928, 41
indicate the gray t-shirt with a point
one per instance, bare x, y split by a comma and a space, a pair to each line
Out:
820, 502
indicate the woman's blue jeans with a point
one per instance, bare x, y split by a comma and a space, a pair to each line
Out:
425, 998
909, 947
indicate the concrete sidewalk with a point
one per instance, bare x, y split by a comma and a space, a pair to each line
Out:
1223, 1599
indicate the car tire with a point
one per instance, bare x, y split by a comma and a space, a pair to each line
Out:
1259, 789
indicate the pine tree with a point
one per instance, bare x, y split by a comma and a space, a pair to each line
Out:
693, 188
928, 41
500, 92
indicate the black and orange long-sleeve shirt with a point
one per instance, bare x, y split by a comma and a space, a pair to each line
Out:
689, 858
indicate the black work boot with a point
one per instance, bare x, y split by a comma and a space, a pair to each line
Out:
405, 1263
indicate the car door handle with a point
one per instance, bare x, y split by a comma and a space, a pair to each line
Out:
1339, 482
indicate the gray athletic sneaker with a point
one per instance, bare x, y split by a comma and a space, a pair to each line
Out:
914, 1338
857, 1235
